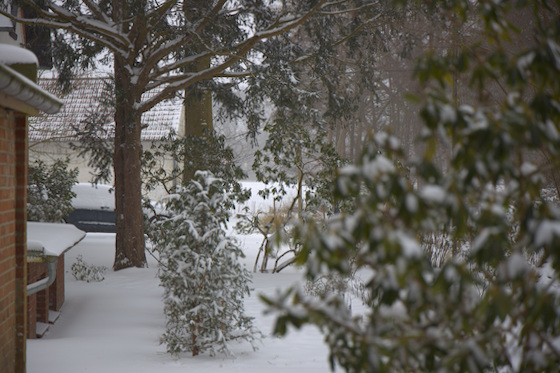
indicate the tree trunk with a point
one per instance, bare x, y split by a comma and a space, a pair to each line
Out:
198, 121
130, 243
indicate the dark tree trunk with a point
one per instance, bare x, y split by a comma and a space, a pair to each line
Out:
130, 242
198, 120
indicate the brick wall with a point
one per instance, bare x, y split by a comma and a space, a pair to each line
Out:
37, 304
8, 260
52, 298
13, 252
56, 290
21, 161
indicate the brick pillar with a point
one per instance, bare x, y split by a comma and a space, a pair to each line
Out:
35, 272
43, 299
43, 306
32, 321
56, 290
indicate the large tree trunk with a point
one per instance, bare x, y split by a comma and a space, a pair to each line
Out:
130, 242
198, 121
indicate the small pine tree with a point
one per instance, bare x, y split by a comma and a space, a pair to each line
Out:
200, 271
49, 195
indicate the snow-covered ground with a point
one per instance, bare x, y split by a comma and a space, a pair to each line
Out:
115, 325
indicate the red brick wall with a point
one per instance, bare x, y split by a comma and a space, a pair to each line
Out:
13, 251
37, 304
52, 298
21, 162
56, 290
8, 258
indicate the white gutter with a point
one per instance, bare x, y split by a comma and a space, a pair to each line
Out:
19, 87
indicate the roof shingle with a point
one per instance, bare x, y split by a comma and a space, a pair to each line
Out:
85, 100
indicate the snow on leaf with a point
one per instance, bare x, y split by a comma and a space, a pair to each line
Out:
433, 193
516, 266
377, 167
546, 232
528, 168
410, 247
481, 239
411, 203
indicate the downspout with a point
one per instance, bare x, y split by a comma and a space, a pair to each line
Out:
37, 249
52, 262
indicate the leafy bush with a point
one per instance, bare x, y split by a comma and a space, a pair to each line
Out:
49, 195
491, 302
189, 154
204, 283
83, 271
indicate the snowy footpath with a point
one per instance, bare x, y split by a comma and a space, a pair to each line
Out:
114, 326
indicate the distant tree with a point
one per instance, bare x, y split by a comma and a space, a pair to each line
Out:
152, 44
214, 156
483, 295
49, 195
92, 135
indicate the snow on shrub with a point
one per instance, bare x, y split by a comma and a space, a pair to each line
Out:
485, 297
49, 195
83, 271
204, 282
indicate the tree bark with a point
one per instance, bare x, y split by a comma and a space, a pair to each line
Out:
198, 120
130, 242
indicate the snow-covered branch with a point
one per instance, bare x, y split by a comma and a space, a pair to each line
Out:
236, 54
96, 11
208, 18
347, 11
156, 15
159, 51
100, 31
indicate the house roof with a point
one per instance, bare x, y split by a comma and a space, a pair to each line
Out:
84, 103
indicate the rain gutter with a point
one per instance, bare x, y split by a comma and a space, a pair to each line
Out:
21, 88
37, 253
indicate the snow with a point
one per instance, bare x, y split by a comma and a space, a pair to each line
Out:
433, 193
555, 51
5, 22
516, 266
551, 131
377, 167
528, 168
410, 247
258, 204
89, 196
11, 54
411, 203
115, 325
54, 238
448, 114
525, 61
546, 231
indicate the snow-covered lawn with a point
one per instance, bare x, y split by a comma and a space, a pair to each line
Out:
115, 325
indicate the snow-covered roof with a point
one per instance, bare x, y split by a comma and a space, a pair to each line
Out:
5, 23
11, 54
53, 238
84, 100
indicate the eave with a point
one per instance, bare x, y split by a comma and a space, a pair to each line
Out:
20, 93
